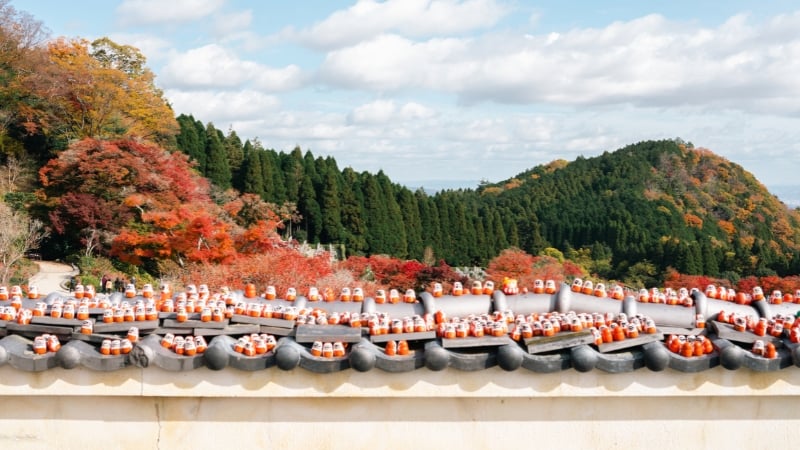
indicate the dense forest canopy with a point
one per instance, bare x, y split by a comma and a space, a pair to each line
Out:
91, 149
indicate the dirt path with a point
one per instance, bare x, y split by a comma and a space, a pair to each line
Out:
52, 276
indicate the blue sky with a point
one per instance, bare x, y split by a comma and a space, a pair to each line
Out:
445, 93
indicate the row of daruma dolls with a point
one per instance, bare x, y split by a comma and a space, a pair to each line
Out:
16, 292
757, 294
671, 296
357, 294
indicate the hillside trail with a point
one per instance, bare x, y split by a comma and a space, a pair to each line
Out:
52, 276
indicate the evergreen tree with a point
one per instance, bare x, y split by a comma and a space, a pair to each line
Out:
234, 150
293, 173
412, 223
429, 218
239, 176
202, 152
375, 216
353, 213
274, 185
252, 181
332, 231
710, 261
396, 242
217, 168
189, 142
309, 209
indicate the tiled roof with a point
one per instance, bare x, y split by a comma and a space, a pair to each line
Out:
579, 350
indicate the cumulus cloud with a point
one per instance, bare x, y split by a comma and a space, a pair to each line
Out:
386, 111
218, 106
214, 66
649, 62
145, 12
417, 18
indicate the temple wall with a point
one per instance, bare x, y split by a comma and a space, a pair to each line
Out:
153, 408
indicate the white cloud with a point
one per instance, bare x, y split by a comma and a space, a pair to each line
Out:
385, 112
213, 66
222, 107
144, 12
413, 110
418, 18
647, 62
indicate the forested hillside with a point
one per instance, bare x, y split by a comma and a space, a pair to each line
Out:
645, 207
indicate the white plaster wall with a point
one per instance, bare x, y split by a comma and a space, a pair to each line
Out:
151, 408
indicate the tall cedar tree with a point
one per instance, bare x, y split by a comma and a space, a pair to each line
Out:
189, 142
309, 208
252, 181
217, 168
234, 150
353, 213
274, 185
332, 231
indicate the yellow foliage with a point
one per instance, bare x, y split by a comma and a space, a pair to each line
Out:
86, 97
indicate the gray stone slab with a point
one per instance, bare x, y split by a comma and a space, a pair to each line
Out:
90, 357
278, 331
123, 327
173, 315
167, 359
177, 331
630, 342
173, 323
46, 320
558, 342
473, 361
761, 364
682, 331
417, 336
230, 330
399, 363
620, 362
236, 360
94, 338
316, 364
546, 363
33, 329
21, 356
726, 331
693, 364
472, 342
277, 323
327, 333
